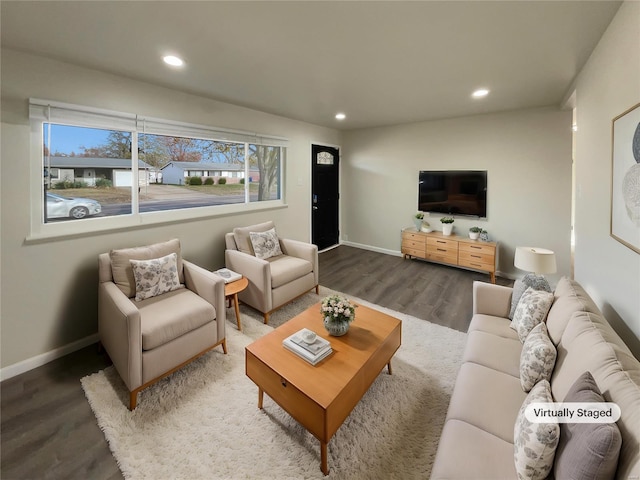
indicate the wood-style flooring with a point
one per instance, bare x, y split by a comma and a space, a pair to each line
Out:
48, 430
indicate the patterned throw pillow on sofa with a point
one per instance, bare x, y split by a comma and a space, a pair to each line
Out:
538, 357
537, 282
534, 444
532, 309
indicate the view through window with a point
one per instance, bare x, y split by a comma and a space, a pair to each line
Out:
87, 172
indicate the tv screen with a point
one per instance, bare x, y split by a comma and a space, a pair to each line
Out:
453, 192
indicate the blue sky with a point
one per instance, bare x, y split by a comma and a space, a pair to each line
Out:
66, 139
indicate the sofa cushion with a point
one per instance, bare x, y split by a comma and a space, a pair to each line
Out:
242, 235
569, 297
494, 351
156, 276
265, 244
538, 357
588, 451
537, 282
122, 270
590, 344
486, 398
499, 326
171, 315
466, 451
531, 310
535, 443
285, 269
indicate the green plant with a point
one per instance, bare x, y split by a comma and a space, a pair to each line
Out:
419, 215
447, 220
103, 183
475, 230
209, 181
242, 181
195, 181
222, 181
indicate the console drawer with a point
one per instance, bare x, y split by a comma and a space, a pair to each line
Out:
440, 244
484, 258
478, 248
470, 263
442, 258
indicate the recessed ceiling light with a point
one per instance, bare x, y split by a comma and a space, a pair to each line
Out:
340, 116
481, 92
173, 61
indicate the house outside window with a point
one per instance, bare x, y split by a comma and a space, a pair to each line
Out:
88, 160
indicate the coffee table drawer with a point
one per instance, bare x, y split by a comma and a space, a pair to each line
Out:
292, 400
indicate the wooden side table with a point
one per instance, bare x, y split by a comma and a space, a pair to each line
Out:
231, 291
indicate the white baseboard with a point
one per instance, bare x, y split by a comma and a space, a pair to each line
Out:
44, 358
395, 253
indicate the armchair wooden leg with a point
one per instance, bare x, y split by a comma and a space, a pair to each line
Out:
266, 318
224, 346
133, 399
317, 289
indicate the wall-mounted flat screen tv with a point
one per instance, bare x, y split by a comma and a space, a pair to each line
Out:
453, 192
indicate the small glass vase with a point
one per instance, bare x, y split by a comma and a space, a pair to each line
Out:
336, 328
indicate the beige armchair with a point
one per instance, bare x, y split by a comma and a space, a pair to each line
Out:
273, 281
150, 338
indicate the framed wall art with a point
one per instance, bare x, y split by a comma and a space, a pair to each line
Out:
625, 178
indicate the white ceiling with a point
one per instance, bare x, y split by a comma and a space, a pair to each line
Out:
381, 63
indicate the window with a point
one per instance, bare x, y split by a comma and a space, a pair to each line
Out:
88, 160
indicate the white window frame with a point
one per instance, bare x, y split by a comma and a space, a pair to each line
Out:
46, 111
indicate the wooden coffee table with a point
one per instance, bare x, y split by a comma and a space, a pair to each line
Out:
231, 291
321, 397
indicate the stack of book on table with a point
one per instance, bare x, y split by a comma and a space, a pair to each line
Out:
312, 352
228, 275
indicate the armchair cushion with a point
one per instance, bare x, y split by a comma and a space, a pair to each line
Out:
265, 244
243, 240
168, 316
156, 276
122, 270
285, 269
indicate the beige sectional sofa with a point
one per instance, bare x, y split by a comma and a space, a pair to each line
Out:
478, 436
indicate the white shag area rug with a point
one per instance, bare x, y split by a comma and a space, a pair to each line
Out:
203, 422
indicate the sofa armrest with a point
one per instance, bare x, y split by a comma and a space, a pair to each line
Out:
209, 286
490, 299
306, 251
120, 332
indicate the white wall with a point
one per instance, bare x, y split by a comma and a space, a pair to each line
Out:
608, 85
49, 289
527, 154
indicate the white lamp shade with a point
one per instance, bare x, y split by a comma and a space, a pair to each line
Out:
537, 260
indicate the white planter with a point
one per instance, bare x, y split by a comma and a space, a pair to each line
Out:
447, 228
474, 235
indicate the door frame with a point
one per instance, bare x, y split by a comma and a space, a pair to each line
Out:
310, 180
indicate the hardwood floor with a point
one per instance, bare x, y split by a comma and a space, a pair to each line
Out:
48, 430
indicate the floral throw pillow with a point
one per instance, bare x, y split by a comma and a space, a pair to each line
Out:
532, 309
537, 282
538, 357
156, 276
265, 244
535, 443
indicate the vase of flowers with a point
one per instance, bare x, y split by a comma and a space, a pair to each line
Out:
338, 313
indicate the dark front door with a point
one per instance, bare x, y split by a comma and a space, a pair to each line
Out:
324, 196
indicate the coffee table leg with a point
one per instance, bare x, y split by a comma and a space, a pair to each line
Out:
235, 300
389, 368
323, 458
260, 397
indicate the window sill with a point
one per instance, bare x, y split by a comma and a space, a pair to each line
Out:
97, 226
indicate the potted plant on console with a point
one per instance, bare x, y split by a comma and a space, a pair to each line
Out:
417, 220
447, 225
474, 233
